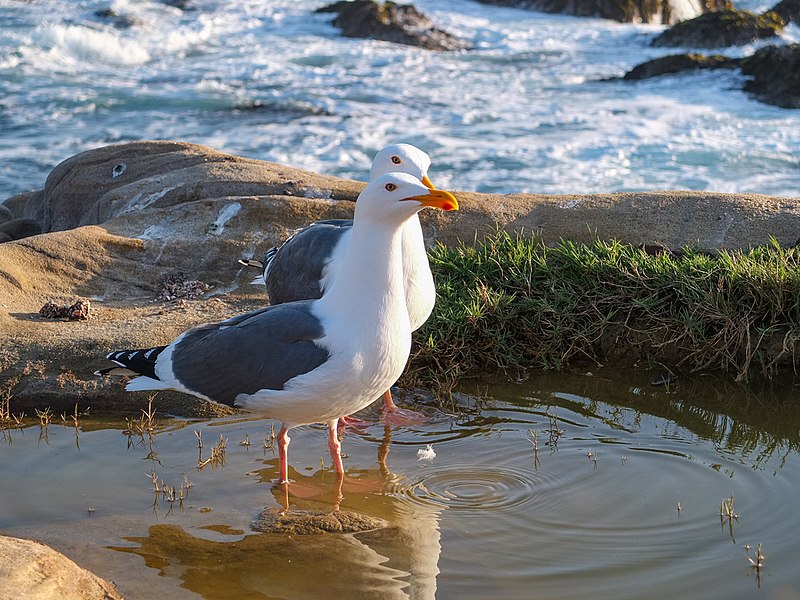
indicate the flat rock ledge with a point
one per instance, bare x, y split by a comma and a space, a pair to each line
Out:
32, 571
120, 219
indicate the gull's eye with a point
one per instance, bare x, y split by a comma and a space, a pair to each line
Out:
396, 160
390, 187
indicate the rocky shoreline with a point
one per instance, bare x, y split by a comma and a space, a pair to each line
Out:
114, 235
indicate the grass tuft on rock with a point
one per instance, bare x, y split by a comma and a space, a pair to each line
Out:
512, 304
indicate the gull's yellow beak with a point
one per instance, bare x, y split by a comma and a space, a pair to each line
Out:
428, 183
437, 199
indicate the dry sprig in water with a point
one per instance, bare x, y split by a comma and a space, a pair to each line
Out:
145, 424
757, 562
217, 454
169, 492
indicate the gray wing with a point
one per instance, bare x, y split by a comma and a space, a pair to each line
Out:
295, 270
259, 350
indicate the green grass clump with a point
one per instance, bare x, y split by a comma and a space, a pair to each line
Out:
512, 304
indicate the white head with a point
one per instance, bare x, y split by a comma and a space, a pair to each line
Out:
402, 158
394, 197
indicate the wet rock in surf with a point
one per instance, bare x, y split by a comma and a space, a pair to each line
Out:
774, 71
115, 19
390, 22
728, 27
775, 75
625, 11
678, 63
788, 10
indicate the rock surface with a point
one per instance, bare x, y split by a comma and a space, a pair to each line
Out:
190, 209
32, 571
625, 11
727, 27
391, 22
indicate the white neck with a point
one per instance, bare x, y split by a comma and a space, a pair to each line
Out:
368, 286
419, 288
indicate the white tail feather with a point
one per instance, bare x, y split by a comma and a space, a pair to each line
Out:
146, 383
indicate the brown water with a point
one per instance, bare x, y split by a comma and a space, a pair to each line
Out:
620, 499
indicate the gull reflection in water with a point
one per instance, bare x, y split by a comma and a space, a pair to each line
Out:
310, 545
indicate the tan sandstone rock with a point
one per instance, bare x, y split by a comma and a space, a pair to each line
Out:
32, 571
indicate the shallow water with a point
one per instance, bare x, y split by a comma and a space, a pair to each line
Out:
619, 499
524, 111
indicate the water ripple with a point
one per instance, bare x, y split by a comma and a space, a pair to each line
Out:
462, 487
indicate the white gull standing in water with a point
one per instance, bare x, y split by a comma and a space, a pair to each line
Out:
304, 265
309, 361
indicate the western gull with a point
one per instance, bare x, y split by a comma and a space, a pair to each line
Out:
306, 263
309, 361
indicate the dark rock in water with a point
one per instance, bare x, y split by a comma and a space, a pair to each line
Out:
17, 229
181, 4
788, 10
5, 214
677, 63
290, 110
775, 72
624, 11
4, 237
117, 20
390, 22
727, 27
273, 520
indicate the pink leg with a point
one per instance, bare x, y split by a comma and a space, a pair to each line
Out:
399, 416
335, 446
388, 403
283, 447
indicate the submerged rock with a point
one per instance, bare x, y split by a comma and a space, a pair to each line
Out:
33, 571
727, 27
625, 11
775, 75
305, 522
390, 22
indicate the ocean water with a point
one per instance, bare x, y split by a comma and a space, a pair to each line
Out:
524, 111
